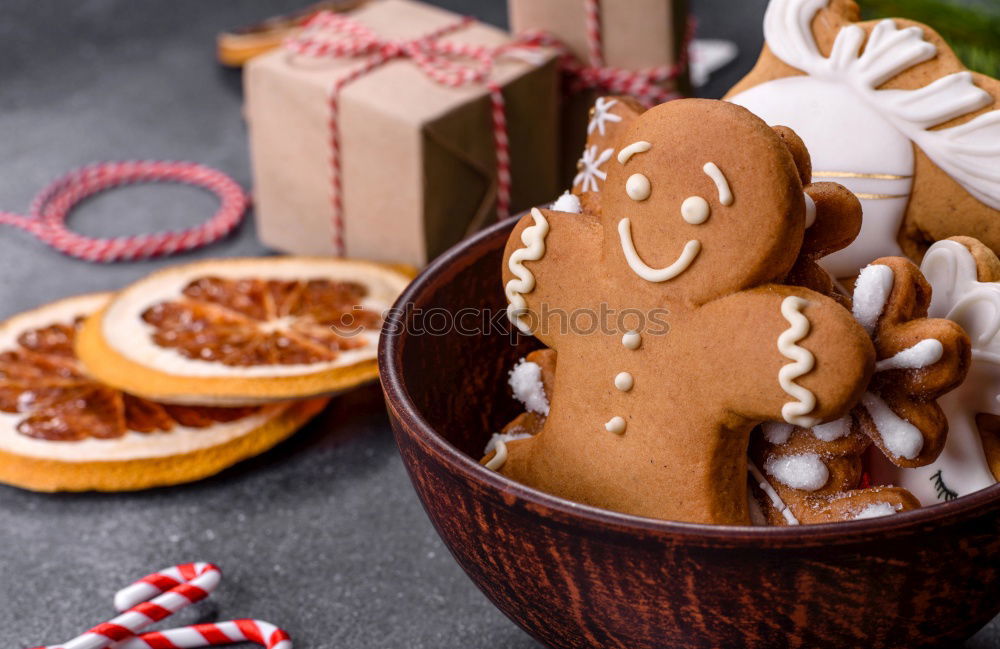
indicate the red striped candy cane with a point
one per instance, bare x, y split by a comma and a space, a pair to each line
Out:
212, 634
161, 594
50, 209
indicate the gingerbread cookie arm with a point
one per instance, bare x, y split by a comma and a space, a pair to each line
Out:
834, 220
542, 246
804, 360
919, 359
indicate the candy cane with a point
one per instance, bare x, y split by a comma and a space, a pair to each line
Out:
161, 594
207, 635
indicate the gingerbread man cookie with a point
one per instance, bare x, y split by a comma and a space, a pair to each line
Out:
887, 109
674, 329
965, 276
816, 472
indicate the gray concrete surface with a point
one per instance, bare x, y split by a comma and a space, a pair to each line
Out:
323, 535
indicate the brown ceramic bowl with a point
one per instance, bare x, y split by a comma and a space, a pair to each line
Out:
577, 576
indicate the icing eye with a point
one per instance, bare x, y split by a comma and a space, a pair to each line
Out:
637, 187
695, 210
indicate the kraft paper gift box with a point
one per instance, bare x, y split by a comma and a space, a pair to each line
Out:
418, 158
634, 35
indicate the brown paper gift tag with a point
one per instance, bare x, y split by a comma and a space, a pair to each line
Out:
418, 158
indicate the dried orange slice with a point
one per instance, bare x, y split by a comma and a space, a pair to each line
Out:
61, 430
243, 331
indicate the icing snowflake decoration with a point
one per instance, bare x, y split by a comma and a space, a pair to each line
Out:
969, 153
590, 169
958, 295
601, 115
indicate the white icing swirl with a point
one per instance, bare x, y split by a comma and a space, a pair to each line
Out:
533, 238
795, 412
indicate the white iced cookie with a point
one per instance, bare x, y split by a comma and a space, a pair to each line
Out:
958, 295
862, 136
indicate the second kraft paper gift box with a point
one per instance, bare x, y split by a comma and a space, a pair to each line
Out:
418, 158
631, 36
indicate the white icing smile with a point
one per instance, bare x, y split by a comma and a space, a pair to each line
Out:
648, 273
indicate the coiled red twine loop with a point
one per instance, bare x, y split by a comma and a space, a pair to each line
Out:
51, 208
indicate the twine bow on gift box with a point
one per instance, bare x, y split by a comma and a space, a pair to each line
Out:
161, 594
595, 74
437, 59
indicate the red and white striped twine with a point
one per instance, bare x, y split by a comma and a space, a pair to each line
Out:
431, 56
595, 44
161, 594
50, 209
645, 84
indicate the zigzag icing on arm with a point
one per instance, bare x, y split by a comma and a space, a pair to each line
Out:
969, 153
533, 238
794, 412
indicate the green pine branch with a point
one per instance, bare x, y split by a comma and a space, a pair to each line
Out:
973, 30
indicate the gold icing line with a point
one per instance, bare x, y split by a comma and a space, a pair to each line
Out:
852, 174
879, 197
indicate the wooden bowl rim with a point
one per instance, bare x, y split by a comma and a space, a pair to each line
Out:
507, 491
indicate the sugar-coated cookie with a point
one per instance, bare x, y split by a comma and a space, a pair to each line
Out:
814, 475
965, 277
675, 328
887, 109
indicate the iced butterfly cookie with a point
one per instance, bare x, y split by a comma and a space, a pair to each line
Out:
701, 219
815, 473
965, 276
887, 109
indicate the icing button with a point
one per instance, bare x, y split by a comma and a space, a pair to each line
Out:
631, 340
637, 187
624, 381
615, 425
